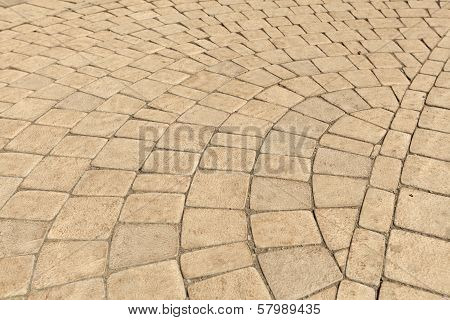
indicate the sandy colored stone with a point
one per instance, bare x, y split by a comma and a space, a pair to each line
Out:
366, 256
350, 290
431, 144
17, 164
245, 125
159, 281
136, 244
283, 143
218, 189
332, 191
171, 162
91, 289
153, 208
215, 260
405, 120
297, 123
326, 294
100, 124
67, 261
161, 183
236, 141
395, 144
10, 128
277, 194
284, 167
354, 128
336, 226
79, 146
185, 137
428, 270
426, 173
208, 227
435, 119
319, 109
15, 276
104, 183
394, 291
121, 104
243, 284
284, 228
298, 272
21, 237
61, 118
263, 110
347, 145
52, 173
229, 159
86, 218
328, 161
376, 116
204, 116
377, 210
386, 173
423, 212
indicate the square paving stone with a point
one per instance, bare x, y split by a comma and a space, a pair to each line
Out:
332, 191
297, 123
105, 183
351, 127
350, 290
230, 159
277, 194
219, 189
142, 130
91, 289
328, 161
21, 237
161, 183
15, 276
336, 226
136, 244
431, 144
79, 146
283, 143
159, 281
17, 164
61, 118
243, 284
172, 162
100, 124
11, 128
86, 218
67, 261
298, 272
377, 210
185, 137
283, 167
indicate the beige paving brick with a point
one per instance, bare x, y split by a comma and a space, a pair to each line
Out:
379, 97
104, 87
159, 281
91, 289
204, 116
15, 276
229, 159
245, 125
80, 101
395, 144
205, 227
136, 244
295, 273
405, 120
428, 270
161, 183
10, 128
119, 103
185, 137
435, 119
328, 161
296, 123
28, 109
319, 109
21, 237
394, 291
377, 116
350, 290
280, 95
357, 129
282, 143
263, 110
328, 191
171, 162
347, 145
79, 146
377, 210
237, 285
215, 260
386, 173
284, 228
222, 102
67, 261
336, 226
17, 164
100, 124
432, 144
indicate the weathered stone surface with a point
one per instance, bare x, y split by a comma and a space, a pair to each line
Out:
350, 290
21, 237
15, 276
394, 291
91, 289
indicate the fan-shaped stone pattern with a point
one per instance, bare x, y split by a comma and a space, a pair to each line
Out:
208, 145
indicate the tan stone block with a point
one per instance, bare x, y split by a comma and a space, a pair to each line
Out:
426, 173
215, 260
350, 290
243, 284
326, 294
347, 145
245, 125
296, 123
223, 102
332, 191
277, 194
159, 281
105, 183
347, 100
232, 159
67, 261
209, 227
405, 120
366, 257
428, 270
328, 161
394, 291
319, 109
413, 100
204, 116
283, 143
136, 244
17, 164
263, 110
386, 173
240, 89
185, 137
53, 92
52, 174
11, 128
80, 101
395, 144
336, 226
61, 118
377, 116
119, 103
104, 87
218, 189
236, 141
91, 289
435, 119
377, 210
357, 129
28, 109
284, 228
298, 272
15, 276
283, 167
281, 96
161, 183
37, 139
79, 146
101, 124
423, 212
86, 218
304, 86
21, 237
432, 144
172, 162
156, 115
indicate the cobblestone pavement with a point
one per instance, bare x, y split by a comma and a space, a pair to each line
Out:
229, 149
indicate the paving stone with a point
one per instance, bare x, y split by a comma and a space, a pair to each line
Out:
136, 244
223, 102
319, 109
328, 161
230, 159
185, 137
280, 95
153, 208
243, 284
105, 183
432, 144
28, 109
21, 237
435, 119
277, 194
350, 290
298, 272
91, 289
171, 162
263, 110
142, 130
86, 218
284, 228
377, 210
215, 260
204, 116
394, 291
218, 189
10, 128
405, 120
16, 275
347, 100
284, 167
351, 127
79, 146
61, 262
395, 144
100, 124
427, 174
52, 174
283, 143
336, 226
423, 212
296, 123
376, 116
245, 125
365, 259
80, 101
161, 183
159, 281
208, 227
428, 270
386, 173
329, 191
17, 164
326, 294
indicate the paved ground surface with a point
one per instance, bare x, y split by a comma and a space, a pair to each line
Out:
227, 149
